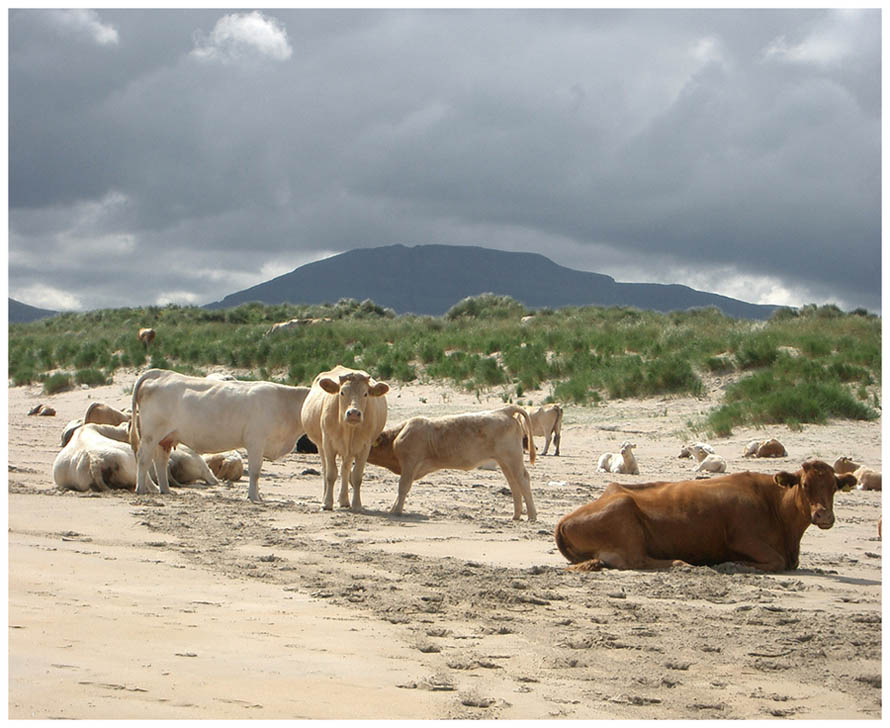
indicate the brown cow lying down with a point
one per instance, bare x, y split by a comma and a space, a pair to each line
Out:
422, 445
751, 518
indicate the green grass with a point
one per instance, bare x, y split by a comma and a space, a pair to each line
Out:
798, 367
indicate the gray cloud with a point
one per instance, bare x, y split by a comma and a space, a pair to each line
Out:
734, 151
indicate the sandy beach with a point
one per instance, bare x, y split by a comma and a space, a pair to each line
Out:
202, 604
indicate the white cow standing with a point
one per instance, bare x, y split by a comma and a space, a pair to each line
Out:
343, 414
211, 416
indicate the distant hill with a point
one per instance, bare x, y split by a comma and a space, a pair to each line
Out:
22, 313
430, 279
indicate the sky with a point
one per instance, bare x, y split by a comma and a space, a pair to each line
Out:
178, 156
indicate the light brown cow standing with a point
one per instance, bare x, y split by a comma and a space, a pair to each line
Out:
752, 518
547, 423
422, 445
343, 414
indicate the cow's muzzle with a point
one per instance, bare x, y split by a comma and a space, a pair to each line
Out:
822, 517
353, 416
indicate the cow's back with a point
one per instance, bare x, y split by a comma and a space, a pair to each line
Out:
691, 519
212, 416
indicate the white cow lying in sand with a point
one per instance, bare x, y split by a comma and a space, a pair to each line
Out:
100, 457
622, 461
98, 414
95, 457
547, 423
210, 417
343, 414
706, 461
422, 445
686, 450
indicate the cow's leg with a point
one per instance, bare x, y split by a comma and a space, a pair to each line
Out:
405, 481
207, 474
328, 474
760, 555
520, 486
345, 466
556, 443
254, 465
613, 536
355, 480
546, 444
143, 463
161, 460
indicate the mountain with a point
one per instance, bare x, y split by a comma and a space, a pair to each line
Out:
22, 313
430, 279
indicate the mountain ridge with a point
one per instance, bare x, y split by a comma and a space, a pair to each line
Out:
22, 313
430, 279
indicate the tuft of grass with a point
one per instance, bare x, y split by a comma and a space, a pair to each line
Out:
766, 398
57, 382
90, 377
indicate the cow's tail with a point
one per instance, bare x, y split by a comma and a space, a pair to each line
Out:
98, 480
526, 424
134, 429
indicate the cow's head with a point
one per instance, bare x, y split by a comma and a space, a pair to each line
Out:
627, 447
818, 483
353, 390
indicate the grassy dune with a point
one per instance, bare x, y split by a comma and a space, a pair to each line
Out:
800, 367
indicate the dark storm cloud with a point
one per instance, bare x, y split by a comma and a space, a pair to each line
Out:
736, 151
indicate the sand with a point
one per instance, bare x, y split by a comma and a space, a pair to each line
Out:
202, 604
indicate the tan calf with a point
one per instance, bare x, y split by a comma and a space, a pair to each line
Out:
422, 445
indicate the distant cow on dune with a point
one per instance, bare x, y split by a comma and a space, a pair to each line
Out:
146, 336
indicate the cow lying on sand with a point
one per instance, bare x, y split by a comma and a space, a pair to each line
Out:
752, 518
422, 445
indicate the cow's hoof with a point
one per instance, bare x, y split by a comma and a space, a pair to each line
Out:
327, 508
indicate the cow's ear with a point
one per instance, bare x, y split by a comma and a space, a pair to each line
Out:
378, 389
329, 385
846, 482
787, 480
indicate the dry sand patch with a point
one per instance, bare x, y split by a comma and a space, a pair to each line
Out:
204, 605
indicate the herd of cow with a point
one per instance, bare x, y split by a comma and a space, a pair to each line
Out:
182, 429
